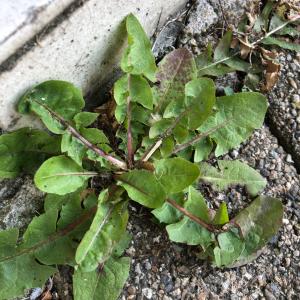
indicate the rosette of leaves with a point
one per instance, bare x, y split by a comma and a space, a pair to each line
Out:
169, 123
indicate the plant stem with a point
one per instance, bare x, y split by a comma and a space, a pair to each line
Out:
113, 160
130, 153
209, 227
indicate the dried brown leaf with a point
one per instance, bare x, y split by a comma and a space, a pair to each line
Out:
271, 75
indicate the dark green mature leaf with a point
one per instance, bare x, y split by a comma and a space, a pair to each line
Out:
221, 216
104, 284
159, 127
107, 228
143, 187
281, 43
236, 118
17, 156
175, 174
61, 175
135, 87
199, 101
18, 273
187, 231
60, 96
233, 173
168, 214
261, 23
175, 70
276, 21
138, 58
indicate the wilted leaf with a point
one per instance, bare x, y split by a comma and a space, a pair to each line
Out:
232, 173
175, 174
17, 156
107, 228
236, 118
61, 175
60, 96
138, 58
271, 75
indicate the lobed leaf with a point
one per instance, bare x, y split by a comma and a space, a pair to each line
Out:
17, 156
233, 173
236, 118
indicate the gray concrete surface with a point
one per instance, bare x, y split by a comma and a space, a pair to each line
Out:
83, 48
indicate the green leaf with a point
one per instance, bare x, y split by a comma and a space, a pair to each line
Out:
199, 101
261, 23
203, 149
101, 284
84, 119
59, 251
73, 147
138, 58
143, 187
175, 70
18, 273
229, 248
135, 87
107, 229
167, 147
60, 96
16, 156
187, 231
159, 127
60, 175
281, 43
223, 47
276, 21
175, 174
236, 118
167, 213
233, 173
221, 216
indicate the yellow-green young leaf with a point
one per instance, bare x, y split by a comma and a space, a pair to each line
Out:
167, 213
175, 70
84, 119
175, 174
18, 272
203, 149
236, 118
103, 284
138, 58
143, 187
59, 96
221, 216
61, 175
199, 101
135, 87
233, 173
17, 156
107, 229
